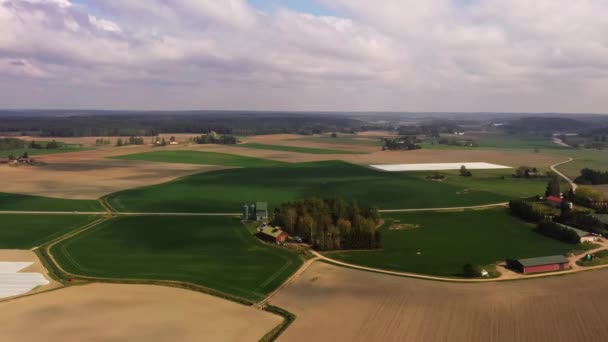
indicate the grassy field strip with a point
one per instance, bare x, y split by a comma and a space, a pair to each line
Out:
295, 149
485, 206
200, 158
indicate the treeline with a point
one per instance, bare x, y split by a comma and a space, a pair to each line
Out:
558, 232
214, 138
130, 141
592, 177
531, 172
430, 129
456, 142
528, 210
102, 141
52, 145
330, 224
7, 144
100, 123
403, 142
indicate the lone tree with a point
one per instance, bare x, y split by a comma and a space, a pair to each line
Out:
464, 172
470, 270
553, 188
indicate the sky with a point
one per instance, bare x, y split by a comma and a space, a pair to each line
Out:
305, 55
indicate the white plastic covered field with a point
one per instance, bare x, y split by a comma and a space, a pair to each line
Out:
438, 167
13, 283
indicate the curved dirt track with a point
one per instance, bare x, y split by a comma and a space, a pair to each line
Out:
111, 312
339, 304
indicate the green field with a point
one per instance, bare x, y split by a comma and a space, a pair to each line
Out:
593, 159
449, 240
228, 190
28, 231
501, 142
215, 252
198, 157
11, 202
38, 152
296, 149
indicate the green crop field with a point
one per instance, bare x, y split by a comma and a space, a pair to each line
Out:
28, 231
297, 149
501, 142
228, 190
10, 202
593, 159
37, 152
446, 241
215, 252
198, 157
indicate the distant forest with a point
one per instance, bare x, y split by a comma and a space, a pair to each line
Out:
141, 124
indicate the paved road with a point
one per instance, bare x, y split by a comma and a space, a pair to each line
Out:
570, 181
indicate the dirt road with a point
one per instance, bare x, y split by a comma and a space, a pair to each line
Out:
570, 181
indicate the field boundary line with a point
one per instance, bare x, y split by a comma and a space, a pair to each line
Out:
297, 274
483, 206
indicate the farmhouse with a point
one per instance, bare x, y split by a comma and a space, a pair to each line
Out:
273, 234
4, 160
537, 265
583, 235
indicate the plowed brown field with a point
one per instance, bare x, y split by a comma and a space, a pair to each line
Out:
340, 304
110, 312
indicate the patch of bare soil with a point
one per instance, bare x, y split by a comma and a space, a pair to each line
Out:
111, 312
18, 255
340, 304
514, 159
89, 175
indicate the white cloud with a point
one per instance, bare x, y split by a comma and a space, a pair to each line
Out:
547, 55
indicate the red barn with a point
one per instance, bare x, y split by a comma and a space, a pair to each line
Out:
554, 201
542, 264
273, 234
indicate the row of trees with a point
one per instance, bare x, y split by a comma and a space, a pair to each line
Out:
102, 141
456, 142
213, 138
130, 141
403, 142
7, 144
592, 177
330, 224
528, 210
558, 232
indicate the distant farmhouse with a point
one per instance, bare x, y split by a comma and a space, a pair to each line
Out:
257, 211
583, 235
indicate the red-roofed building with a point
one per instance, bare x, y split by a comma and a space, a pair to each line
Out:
554, 201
